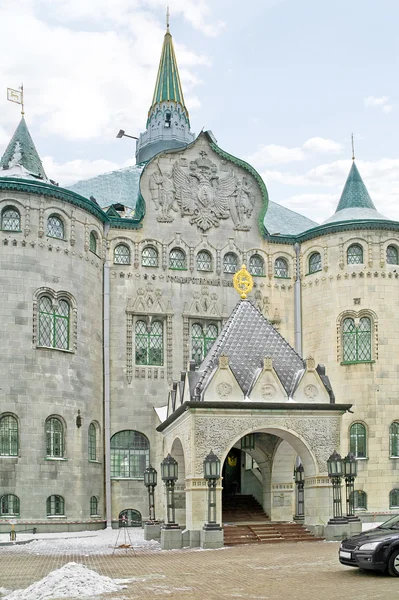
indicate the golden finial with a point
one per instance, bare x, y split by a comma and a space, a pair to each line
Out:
353, 148
243, 282
167, 19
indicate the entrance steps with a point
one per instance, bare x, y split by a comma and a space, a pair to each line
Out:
269, 533
242, 507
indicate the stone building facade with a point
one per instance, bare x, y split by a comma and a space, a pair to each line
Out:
111, 288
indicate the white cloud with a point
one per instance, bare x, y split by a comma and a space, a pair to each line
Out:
387, 108
273, 154
380, 101
322, 145
75, 170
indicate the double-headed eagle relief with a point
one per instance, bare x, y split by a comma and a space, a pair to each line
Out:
199, 193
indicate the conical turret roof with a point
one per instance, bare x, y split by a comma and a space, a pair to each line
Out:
355, 202
20, 158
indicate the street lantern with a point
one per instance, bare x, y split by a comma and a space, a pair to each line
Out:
150, 481
248, 442
334, 468
211, 474
170, 474
299, 474
350, 474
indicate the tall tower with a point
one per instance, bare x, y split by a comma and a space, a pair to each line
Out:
168, 123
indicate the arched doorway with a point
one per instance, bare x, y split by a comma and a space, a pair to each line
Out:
129, 518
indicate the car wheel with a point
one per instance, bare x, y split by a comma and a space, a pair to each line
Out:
393, 564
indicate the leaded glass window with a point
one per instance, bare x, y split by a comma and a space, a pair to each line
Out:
392, 255
8, 436
130, 454
54, 438
358, 440
394, 439
93, 506
355, 255
280, 267
202, 338
122, 255
256, 265
230, 263
55, 506
149, 257
9, 505
55, 227
359, 500
149, 343
315, 262
92, 442
356, 340
10, 219
53, 323
93, 242
204, 261
177, 259
394, 498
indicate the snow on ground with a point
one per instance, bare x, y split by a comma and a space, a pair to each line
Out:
71, 580
84, 543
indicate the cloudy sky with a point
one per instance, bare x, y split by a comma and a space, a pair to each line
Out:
281, 83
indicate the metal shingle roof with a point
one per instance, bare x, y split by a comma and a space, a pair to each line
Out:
22, 151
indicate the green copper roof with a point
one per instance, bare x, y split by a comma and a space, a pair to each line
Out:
168, 86
21, 151
355, 194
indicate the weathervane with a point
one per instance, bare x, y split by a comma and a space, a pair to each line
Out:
243, 282
17, 96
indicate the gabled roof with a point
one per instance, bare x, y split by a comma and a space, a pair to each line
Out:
21, 158
246, 339
168, 86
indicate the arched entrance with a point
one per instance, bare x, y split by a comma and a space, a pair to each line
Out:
129, 518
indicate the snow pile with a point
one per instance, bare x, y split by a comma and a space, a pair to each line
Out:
73, 580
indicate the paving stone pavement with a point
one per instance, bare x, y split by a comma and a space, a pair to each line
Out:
286, 571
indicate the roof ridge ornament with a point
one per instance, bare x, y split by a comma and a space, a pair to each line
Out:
243, 282
167, 19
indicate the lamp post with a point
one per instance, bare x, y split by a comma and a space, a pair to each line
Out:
211, 474
150, 482
121, 133
299, 475
169, 474
350, 474
334, 467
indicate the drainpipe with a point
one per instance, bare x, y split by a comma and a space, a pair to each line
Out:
298, 302
107, 394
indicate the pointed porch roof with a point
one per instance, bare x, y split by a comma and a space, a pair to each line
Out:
21, 158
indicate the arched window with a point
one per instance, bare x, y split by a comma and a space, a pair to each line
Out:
53, 323
130, 454
230, 263
204, 261
55, 506
202, 338
55, 227
394, 498
315, 262
10, 219
92, 442
358, 440
149, 257
93, 242
9, 505
54, 438
392, 255
355, 255
359, 500
121, 255
177, 259
394, 439
256, 265
94, 506
356, 340
280, 267
130, 518
8, 436
149, 343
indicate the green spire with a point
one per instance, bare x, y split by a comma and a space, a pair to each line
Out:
168, 87
21, 152
355, 194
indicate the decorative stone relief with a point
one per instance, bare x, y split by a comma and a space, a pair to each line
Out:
136, 259
164, 257
87, 236
268, 391
41, 220
341, 253
27, 219
325, 260
223, 361
262, 303
202, 194
311, 391
73, 233
129, 348
204, 303
224, 390
370, 251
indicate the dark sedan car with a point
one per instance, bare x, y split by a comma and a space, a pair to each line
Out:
377, 549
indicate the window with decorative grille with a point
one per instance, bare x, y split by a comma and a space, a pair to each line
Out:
121, 255
55, 505
10, 219
54, 438
356, 340
359, 500
394, 439
8, 436
54, 323
92, 442
315, 262
355, 255
280, 267
93, 242
204, 261
149, 257
9, 505
394, 498
392, 255
130, 454
177, 259
230, 263
256, 265
149, 343
93, 506
358, 440
55, 227
202, 338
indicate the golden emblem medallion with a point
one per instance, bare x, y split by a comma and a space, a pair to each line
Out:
243, 282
